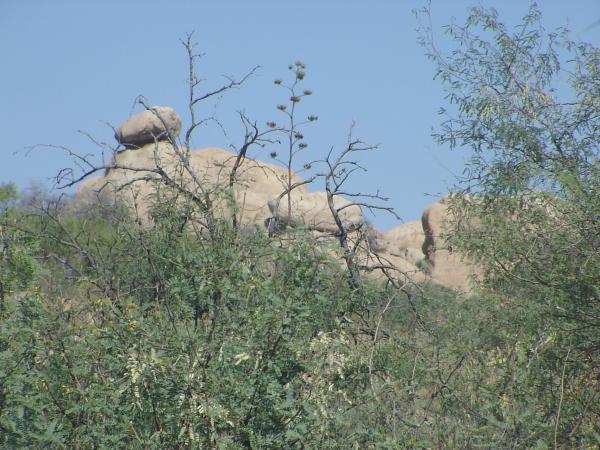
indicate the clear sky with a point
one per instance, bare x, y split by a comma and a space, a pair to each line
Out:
76, 65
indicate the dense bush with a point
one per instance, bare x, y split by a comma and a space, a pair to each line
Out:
524, 103
119, 335
154, 337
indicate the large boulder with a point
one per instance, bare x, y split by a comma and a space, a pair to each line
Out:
406, 241
311, 210
133, 180
448, 268
156, 123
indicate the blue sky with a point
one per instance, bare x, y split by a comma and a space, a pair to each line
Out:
76, 65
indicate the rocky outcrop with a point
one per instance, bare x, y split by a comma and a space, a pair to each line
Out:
406, 241
311, 210
133, 179
447, 268
153, 124
414, 251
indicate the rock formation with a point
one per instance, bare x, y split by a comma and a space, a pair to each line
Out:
447, 267
136, 173
143, 128
311, 210
256, 182
406, 241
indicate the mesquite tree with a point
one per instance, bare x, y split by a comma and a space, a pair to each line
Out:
524, 103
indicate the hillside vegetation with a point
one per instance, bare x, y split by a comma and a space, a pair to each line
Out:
168, 320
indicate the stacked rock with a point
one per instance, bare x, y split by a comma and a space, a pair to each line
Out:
155, 124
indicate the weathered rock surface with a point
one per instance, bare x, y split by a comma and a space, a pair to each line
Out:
406, 241
447, 268
134, 179
143, 128
311, 209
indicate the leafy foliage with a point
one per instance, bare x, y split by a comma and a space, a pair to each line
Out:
180, 330
525, 102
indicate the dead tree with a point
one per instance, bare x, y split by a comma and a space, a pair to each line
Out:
338, 170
